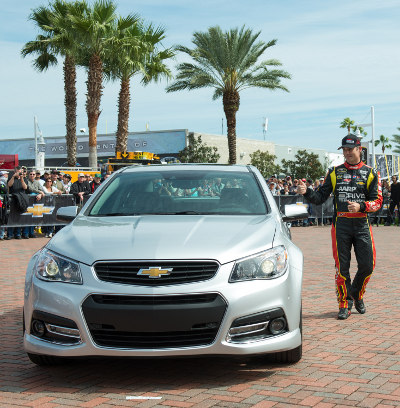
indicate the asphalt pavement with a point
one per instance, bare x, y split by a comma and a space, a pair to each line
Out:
350, 363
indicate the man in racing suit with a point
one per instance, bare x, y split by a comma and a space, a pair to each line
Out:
357, 191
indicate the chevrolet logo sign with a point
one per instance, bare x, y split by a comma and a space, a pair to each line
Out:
37, 210
155, 272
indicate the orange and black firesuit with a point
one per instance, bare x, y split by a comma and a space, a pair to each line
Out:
357, 183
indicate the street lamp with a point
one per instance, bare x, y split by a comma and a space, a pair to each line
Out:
372, 124
39, 146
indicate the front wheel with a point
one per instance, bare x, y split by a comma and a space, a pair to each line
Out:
290, 356
287, 357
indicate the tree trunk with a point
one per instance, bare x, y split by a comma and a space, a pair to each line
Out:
70, 108
231, 101
94, 92
124, 101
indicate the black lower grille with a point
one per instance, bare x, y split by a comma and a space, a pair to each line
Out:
155, 273
110, 338
154, 322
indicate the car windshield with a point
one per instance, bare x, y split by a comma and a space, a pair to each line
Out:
181, 192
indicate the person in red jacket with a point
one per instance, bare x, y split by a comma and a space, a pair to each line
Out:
95, 184
357, 191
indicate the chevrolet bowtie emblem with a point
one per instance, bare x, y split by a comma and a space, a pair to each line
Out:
155, 272
37, 210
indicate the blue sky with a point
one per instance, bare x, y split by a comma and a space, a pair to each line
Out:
344, 57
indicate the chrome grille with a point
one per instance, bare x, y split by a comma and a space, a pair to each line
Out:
182, 272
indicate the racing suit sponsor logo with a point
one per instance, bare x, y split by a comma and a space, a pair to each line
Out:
347, 188
345, 196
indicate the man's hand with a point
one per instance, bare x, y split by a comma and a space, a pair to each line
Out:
353, 207
301, 187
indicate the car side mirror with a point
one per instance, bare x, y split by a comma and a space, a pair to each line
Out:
294, 212
67, 213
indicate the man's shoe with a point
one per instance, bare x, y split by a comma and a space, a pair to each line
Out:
360, 307
18, 237
25, 237
344, 313
32, 236
350, 304
9, 237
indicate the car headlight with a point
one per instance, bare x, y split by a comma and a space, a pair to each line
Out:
55, 268
270, 264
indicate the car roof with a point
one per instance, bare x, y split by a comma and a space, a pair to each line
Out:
189, 166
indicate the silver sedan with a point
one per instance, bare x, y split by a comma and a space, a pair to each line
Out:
169, 260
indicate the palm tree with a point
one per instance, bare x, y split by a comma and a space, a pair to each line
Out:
228, 62
54, 41
396, 140
126, 62
347, 123
384, 141
96, 31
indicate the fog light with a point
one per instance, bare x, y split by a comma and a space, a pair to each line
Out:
38, 328
277, 326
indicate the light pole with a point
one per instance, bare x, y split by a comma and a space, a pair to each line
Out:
372, 124
39, 144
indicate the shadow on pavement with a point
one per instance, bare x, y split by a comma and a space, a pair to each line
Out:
323, 316
144, 374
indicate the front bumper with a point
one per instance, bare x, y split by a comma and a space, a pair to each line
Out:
232, 301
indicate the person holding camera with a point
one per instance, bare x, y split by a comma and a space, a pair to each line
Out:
16, 184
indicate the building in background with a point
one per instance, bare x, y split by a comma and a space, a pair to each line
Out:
167, 143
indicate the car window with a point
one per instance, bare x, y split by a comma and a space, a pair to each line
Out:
180, 192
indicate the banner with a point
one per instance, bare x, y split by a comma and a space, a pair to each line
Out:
386, 165
40, 213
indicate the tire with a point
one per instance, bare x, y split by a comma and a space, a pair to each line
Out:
287, 357
44, 360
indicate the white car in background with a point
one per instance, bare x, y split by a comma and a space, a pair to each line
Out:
177, 260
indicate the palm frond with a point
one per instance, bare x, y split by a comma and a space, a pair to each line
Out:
229, 61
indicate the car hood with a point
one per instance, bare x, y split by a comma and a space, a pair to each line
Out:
223, 238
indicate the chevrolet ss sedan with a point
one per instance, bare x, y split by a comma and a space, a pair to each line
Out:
169, 260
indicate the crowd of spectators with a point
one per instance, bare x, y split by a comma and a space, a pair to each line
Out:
47, 183
21, 182
288, 186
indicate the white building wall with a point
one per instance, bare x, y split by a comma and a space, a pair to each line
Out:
244, 147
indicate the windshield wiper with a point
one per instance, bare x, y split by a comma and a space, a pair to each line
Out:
116, 214
190, 212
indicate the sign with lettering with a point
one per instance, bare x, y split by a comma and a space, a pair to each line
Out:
162, 142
